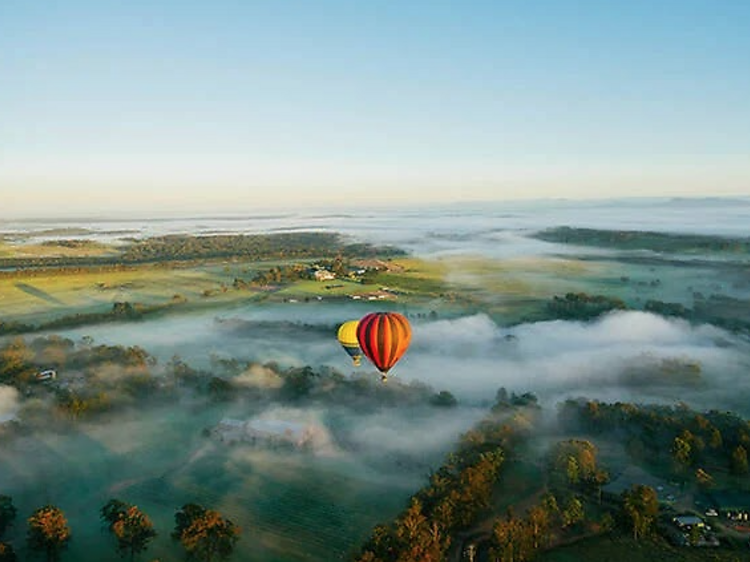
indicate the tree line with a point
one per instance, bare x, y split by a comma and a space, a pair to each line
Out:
644, 240
254, 247
566, 504
205, 534
456, 494
687, 442
85, 387
571, 507
583, 307
120, 311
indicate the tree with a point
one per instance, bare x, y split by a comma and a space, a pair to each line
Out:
599, 479
607, 523
7, 554
681, 453
538, 520
381, 545
511, 542
739, 460
572, 470
704, 479
576, 459
368, 556
7, 513
573, 512
220, 389
15, 362
185, 517
549, 502
204, 533
444, 399
48, 532
715, 440
417, 538
111, 511
694, 536
640, 508
132, 528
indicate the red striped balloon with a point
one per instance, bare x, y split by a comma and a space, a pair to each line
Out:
383, 337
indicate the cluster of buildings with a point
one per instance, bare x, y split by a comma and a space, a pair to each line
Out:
691, 530
731, 506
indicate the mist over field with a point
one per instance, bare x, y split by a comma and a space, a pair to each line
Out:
363, 465
472, 356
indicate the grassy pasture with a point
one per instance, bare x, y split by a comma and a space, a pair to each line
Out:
521, 277
516, 289
88, 248
509, 290
47, 295
50, 295
6, 250
334, 288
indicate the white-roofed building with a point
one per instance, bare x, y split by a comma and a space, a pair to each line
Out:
265, 432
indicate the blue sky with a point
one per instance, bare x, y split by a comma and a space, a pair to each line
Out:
232, 105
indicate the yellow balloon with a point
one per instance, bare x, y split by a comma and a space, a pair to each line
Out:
347, 336
348, 333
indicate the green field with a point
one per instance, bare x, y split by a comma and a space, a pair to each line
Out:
53, 250
41, 296
49, 295
509, 290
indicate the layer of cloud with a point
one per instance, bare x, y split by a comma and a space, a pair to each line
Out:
472, 357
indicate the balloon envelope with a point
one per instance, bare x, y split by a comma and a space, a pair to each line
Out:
384, 337
347, 336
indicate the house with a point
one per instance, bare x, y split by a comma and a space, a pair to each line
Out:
688, 521
690, 530
46, 375
267, 432
324, 275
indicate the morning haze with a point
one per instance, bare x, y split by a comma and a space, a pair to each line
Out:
548, 205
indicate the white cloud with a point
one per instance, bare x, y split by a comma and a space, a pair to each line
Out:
472, 357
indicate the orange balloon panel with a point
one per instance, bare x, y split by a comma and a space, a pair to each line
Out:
383, 337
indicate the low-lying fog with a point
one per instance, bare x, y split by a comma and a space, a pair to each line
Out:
472, 357
291, 505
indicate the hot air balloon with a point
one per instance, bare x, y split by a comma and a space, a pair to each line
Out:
347, 336
383, 337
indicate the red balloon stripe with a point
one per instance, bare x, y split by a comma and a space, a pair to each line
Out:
383, 338
401, 335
